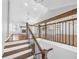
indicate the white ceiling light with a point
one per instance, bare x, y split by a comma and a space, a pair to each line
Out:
26, 4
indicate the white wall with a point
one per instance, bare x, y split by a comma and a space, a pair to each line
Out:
60, 51
4, 20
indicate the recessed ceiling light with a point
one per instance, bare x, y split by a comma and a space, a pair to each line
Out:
26, 4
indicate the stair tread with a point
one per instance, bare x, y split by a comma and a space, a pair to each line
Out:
15, 42
16, 51
8, 46
24, 56
21, 54
15, 48
31, 57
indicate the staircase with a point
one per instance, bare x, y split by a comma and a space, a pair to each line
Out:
21, 49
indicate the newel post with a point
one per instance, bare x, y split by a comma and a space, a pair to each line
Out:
44, 54
27, 31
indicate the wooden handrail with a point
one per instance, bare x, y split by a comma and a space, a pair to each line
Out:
51, 23
60, 21
68, 13
43, 52
35, 39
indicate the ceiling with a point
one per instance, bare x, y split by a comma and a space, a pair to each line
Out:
53, 4
22, 11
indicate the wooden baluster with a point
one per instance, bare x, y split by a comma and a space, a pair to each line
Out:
65, 34
73, 32
45, 30
33, 49
39, 31
56, 32
69, 33
53, 32
62, 33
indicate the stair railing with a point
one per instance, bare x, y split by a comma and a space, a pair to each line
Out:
43, 52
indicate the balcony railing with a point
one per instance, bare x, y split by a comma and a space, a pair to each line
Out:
57, 30
62, 32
